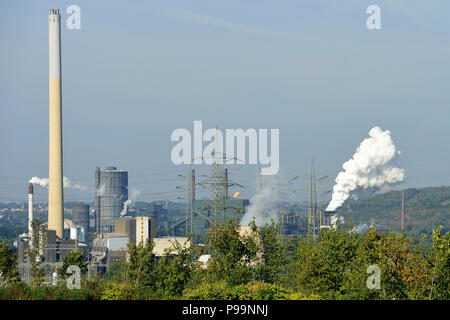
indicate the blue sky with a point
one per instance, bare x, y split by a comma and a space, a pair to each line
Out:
138, 70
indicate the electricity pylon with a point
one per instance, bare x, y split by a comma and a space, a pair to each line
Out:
190, 203
218, 187
313, 218
314, 214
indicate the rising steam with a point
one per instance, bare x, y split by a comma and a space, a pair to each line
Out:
370, 168
263, 205
128, 203
67, 184
43, 182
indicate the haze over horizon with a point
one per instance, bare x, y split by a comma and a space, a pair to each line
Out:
133, 74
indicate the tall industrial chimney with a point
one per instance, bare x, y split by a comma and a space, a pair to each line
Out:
30, 212
55, 168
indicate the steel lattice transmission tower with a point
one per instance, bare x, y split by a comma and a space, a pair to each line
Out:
218, 188
313, 217
190, 203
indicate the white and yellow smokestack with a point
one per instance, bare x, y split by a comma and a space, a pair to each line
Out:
30, 212
55, 169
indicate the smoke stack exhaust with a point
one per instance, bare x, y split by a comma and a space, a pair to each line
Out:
55, 168
30, 212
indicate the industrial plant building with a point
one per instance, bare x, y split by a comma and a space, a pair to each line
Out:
168, 245
53, 251
80, 222
111, 187
108, 248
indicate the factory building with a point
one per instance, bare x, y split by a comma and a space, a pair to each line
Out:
145, 230
80, 216
53, 251
106, 250
167, 245
111, 192
110, 247
126, 226
139, 229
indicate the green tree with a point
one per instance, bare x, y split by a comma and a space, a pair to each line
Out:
438, 261
271, 252
8, 265
174, 270
392, 254
232, 253
35, 252
116, 272
74, 258
140, 266
322, 264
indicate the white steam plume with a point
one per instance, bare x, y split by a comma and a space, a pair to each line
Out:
128, 203
263, 205
370, 168
67, 184
43, 182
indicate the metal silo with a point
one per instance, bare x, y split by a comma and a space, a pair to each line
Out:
114, 186
80, 216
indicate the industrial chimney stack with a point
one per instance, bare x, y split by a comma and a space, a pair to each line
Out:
55, 168
30, 212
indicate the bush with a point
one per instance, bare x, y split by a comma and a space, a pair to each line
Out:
206, 291
253, 290
25, 292
116, 291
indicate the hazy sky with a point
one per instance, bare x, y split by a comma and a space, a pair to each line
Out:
137, 70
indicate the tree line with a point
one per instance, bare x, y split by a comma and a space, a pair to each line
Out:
258, 264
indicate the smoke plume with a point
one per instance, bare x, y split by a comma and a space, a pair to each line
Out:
370, 168
128, 203
263, 205
363, 227
67, 184
43, 182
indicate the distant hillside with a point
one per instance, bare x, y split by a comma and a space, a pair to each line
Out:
425, 209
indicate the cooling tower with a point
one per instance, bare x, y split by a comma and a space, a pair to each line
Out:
114, 184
